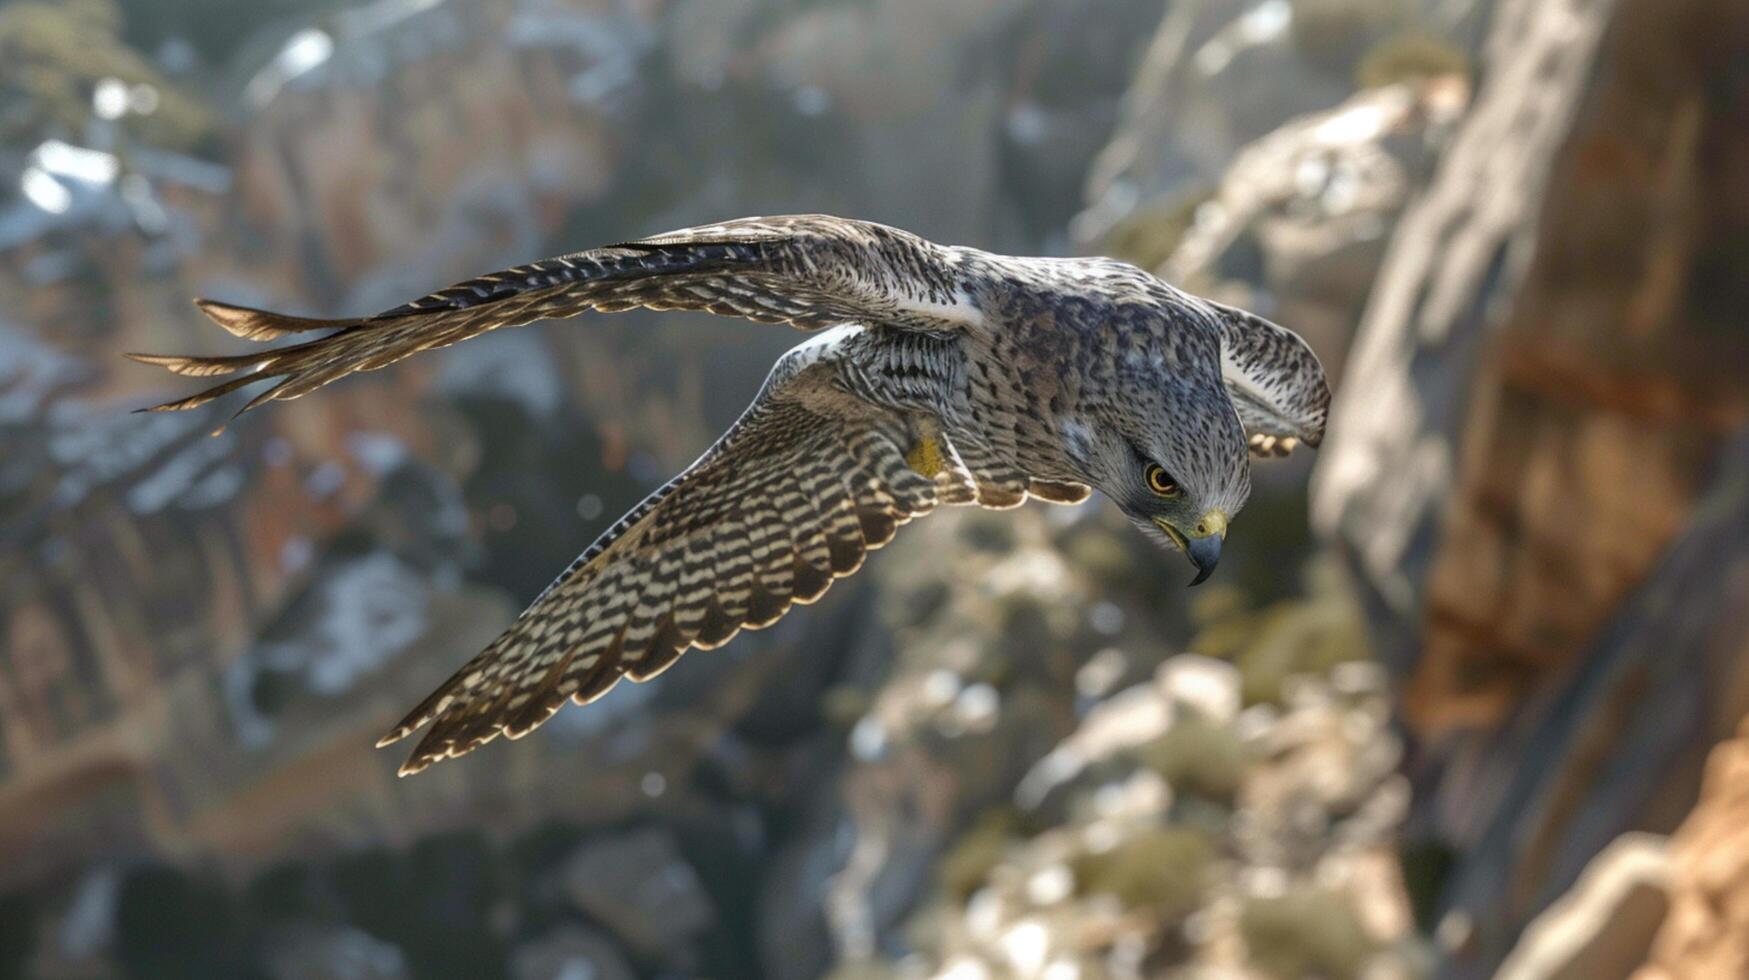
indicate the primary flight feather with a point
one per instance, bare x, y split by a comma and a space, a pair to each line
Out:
936, 375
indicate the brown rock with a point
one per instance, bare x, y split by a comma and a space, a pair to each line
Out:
1706, 933
1603, 927
1601, 387
1525, 467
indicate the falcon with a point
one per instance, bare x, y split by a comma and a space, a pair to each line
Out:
935, 375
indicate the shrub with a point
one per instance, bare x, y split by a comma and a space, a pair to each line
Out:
967, 863
1200, 757
1407, 57
1307, 932
1331, 32
1149, 236
1164, 871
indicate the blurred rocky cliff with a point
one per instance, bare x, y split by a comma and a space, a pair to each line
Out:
202, 636
1515, 231
1438, 727
1535, 464
1534, 470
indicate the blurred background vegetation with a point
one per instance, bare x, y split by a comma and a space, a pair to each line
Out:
1474, 711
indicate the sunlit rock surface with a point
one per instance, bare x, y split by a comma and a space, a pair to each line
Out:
1527, 462
1603, 927
1221, 74
1301, 219
1709, 863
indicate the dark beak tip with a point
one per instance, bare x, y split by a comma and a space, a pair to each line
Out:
1205, 554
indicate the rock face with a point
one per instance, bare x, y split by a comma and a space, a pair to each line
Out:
1601, 929
1527, 469
1703, 935
1655, 909
1221, 74
201, 638
1300, 220
1481, 274
1017, 813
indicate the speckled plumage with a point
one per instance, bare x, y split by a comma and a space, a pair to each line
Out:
936, 375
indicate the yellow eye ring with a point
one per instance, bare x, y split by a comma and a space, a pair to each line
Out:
1161, 482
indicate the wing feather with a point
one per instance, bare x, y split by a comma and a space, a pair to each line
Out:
1274, 380
810, 271
787, 501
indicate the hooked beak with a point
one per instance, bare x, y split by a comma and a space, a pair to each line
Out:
1202, 545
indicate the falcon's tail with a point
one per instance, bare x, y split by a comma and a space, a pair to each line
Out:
301, 368
356, 344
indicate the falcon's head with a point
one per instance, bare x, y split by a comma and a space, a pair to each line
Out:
1174, 459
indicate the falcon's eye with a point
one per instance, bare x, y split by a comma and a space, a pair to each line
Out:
1161, 482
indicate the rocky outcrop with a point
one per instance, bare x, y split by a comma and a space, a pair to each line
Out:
1221, 74
1702, 936
1525, 470
1042, 786
1387, 467
1602, 928
1619, 743
1655, 909
201, 638
1300, 220
1482, 274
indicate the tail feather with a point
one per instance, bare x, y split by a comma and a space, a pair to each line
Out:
261, 325
197, 367
353, 345
200, 398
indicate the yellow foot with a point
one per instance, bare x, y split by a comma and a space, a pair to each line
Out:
926, 457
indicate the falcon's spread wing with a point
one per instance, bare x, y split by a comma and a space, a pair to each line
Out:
791, 497
810, 271
1274, 381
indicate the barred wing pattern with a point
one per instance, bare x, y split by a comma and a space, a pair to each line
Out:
809, 271
1274, 380
787, 500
